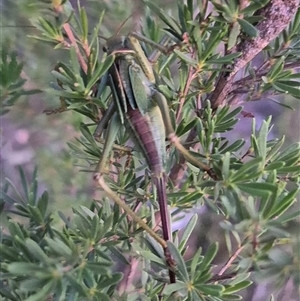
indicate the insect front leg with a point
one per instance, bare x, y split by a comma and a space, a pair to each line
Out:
102, 124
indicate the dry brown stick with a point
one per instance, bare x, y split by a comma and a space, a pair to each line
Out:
66, 26
70, 35
230, 260
277, 15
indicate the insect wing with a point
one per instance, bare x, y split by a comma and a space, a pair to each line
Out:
124, 66
118, 91
141, 88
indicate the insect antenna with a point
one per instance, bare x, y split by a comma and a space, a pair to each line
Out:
17, 26
121, 26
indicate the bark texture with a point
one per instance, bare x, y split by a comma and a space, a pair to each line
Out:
277, 15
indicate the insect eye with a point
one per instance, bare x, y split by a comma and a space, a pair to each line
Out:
104, 49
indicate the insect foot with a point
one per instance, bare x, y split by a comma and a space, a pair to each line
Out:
96, 176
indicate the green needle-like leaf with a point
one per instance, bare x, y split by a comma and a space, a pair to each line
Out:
180, 263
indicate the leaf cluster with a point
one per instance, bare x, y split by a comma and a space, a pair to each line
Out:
11, 80
73, 262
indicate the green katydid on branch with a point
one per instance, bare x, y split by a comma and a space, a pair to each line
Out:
139, 106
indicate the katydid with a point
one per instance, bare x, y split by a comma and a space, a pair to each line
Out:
144, 110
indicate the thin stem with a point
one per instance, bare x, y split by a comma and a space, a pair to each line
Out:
259, 73
189, 81
66, 26
231, 260
71, 36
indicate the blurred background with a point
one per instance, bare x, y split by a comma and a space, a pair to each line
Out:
29, 137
